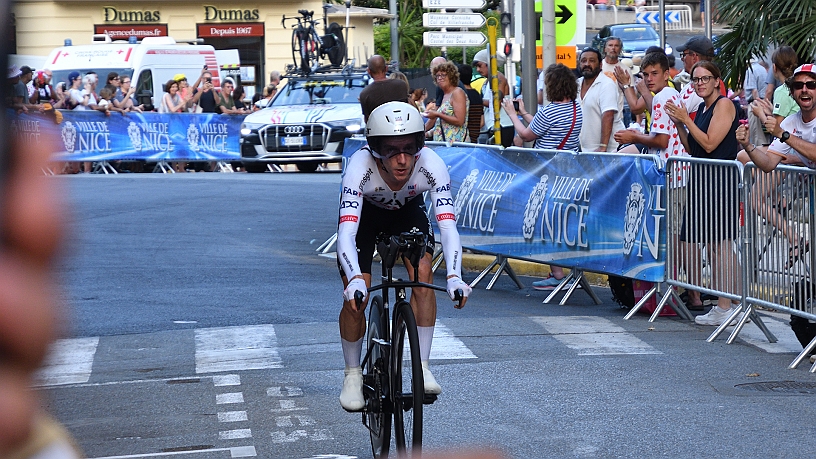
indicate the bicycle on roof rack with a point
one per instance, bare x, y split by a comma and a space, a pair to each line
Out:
308, 47
393, 385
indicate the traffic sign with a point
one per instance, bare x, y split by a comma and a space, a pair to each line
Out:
570, 22
466, 20
453, 4
653, 17
453, 38
567, 55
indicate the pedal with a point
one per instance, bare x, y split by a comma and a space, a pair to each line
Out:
429, 399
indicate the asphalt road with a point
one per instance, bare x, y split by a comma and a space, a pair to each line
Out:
201, 323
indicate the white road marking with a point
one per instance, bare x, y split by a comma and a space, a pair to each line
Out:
287, 405
779, 325
446, 346
236, 348
591, 335
237, 451
226, 380
69, 361
243, 451
235, 434
279, 392
232, 416
232, 397
287, 421
283, 437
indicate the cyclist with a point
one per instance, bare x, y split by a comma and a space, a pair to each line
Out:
382, 192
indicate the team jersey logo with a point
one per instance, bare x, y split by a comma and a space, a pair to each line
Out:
348, 218
445, 216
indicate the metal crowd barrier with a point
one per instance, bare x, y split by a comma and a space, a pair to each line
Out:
706, 231
742, 235
779, 217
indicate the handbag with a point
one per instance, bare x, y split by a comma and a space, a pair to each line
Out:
574, 117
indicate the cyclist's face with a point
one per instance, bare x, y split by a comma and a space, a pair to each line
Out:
399, 156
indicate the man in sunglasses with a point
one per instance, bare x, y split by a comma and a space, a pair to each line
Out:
795, 136
382, 192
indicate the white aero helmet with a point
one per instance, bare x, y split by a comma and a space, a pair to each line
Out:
394, 119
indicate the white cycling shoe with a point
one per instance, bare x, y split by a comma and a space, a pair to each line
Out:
351, 396
431, 386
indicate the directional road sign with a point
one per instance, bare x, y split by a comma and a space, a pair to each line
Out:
453, 38
453, 4
653, 17
466, 20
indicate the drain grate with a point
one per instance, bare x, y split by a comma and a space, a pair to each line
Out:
781, 387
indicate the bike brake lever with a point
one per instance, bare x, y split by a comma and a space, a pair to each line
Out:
459, 296
358, 299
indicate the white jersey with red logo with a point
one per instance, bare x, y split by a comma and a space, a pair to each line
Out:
797, 128
362, 180
662, 124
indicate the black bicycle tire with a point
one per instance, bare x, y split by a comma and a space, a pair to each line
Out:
405, 325
296, 48
313, 54
337, 53
381, 440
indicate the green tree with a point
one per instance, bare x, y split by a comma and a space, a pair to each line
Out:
758, 25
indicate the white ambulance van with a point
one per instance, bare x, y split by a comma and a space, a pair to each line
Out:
149, 63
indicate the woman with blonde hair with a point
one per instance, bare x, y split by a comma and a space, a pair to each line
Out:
449, 122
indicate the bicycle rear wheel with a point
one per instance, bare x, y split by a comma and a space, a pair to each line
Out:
407, 382
375, 383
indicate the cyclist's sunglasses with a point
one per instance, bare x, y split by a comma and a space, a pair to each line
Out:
798, 85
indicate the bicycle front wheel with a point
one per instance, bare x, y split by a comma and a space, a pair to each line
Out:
407, 383
378, 409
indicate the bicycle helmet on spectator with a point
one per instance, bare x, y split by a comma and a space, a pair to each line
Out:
393, 119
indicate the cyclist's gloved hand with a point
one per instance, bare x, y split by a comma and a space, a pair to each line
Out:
356, 285
454, 284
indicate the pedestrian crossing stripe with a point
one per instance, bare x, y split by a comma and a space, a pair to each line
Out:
222, 349
71, 361
590, 335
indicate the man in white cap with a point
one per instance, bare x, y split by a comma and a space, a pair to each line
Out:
481, 62
795, 136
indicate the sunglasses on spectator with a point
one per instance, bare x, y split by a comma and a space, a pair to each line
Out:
798, 85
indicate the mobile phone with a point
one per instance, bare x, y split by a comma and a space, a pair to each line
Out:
205, 67
208, 80
516, 105
743, 122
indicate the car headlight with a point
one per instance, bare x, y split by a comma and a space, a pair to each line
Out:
347, 125
247, 128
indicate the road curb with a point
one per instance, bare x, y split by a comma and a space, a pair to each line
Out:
478, 262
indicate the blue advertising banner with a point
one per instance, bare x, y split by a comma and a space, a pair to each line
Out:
594, 211
92, 136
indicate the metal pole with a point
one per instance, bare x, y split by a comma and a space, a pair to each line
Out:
708, 18
392, 7
348, 19
548, 33
662, 29
528, 56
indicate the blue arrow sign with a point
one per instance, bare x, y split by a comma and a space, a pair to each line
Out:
653, 17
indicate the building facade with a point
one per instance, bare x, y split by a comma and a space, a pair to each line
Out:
254, 29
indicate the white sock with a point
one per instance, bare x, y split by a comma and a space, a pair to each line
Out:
352, 351
425, 341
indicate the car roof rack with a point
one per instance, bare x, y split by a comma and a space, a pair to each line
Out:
323, 71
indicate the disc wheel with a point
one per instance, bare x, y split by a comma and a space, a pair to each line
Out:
337, 52
407, 383
378, 409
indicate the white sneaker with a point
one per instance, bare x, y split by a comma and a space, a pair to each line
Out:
351, 397
431, 386
716, 316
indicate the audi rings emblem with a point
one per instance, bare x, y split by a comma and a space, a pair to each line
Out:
294, 130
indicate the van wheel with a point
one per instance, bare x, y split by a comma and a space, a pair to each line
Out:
307, 167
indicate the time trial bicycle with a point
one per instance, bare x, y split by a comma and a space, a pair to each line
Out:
308, 46
393, 385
